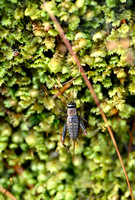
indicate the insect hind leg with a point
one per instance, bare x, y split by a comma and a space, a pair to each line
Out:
83, 128
67, 147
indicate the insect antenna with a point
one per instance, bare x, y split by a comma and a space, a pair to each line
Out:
73, 94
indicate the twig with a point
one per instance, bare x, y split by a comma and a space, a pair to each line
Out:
69, 47
7, 193
63, 89
11, 179
59, 91
131, 137
20, 170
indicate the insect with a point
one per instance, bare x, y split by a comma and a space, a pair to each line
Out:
72, 125
73, 122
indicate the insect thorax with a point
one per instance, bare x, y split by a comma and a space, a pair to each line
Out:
71, 111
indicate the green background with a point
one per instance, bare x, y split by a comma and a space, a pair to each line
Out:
102, 33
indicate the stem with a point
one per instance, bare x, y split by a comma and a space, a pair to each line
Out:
131, 137
69, 47
7, 193
20, 170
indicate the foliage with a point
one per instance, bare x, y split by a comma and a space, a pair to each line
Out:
102, 34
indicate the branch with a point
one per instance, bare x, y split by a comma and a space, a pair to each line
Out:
7, 193
131, 136
20, 170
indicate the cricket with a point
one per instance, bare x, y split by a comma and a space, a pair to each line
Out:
73, 125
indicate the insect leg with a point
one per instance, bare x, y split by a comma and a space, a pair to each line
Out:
80, 107
83, 119
83, 128
63, 110
62, 116
64, 135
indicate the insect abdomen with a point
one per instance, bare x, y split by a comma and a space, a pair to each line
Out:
73, 127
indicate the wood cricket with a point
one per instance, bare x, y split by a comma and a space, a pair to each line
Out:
72, 125
73, 122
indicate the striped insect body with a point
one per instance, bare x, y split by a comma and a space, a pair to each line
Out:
73, 125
